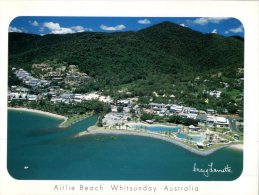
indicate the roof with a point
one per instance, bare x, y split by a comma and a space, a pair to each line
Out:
221, 119
200, 144
156, 104
201, 117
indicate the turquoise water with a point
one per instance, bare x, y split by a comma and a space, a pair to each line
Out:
196, 138
53, 154
156, 128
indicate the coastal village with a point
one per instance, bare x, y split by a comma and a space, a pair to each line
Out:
202, 129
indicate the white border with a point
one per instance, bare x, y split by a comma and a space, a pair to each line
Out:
246, 12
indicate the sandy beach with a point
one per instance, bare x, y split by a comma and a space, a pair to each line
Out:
38, 112
237, 146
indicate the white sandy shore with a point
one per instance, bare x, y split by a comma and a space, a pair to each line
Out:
237, 146
95, 130
38, 112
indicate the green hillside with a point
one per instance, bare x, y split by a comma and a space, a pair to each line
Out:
165, 58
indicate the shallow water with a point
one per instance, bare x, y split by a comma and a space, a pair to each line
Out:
52, 153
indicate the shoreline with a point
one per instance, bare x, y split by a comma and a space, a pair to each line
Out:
93, 130
236, 146
38, 112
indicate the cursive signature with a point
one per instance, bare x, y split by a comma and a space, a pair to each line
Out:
211, 169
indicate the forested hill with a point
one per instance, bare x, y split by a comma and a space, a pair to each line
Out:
159, 58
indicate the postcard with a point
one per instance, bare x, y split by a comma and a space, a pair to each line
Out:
156, 100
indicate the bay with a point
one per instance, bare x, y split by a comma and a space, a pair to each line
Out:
52, 153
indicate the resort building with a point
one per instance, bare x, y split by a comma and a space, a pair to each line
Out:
156, 106
176, 108
217, 121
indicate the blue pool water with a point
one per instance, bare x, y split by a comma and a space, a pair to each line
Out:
195, 138
156, 128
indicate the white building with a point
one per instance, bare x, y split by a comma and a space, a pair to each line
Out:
218, 121
215, 93
32, 97
156, 106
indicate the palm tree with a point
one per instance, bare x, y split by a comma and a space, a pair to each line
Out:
214, 126
191, 139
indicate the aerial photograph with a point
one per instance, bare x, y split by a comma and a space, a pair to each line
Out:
125, 98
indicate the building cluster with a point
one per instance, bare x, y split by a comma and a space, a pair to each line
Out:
50, 80
209, 116
53, 79
116, 118
69, 97
20, 93
120, 117
29, 80
67, 75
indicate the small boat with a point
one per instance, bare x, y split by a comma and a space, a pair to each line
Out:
26, 167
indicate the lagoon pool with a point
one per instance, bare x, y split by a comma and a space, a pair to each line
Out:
156, 128
196, 138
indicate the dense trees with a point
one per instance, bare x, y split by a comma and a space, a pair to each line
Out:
146, 116
164, 58
65, 109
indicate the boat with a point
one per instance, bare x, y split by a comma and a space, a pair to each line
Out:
26, 167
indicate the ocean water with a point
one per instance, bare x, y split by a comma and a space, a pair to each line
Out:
52, 153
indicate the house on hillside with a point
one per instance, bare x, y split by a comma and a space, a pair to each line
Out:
211, 111
44, 83
214, 93
56, 100
42, 65
32, 97
17, 96
175, 109
22, 89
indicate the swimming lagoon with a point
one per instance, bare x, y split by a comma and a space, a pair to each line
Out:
156, 128
195, 138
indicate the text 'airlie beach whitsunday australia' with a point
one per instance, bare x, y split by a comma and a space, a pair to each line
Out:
125, 188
